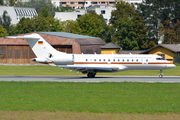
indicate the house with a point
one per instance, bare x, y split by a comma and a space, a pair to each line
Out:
85, 3
110, 48
104, 10
17, 51
170, 52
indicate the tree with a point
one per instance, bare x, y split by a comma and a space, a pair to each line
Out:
71, 26
5, 20
67, 8
44, 12
156, 14
3, 32
11, 2
42, 22
170, 31
129, 29
91, 24
25, 25
1, 2
39, 4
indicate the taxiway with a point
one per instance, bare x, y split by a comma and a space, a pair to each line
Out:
165, 79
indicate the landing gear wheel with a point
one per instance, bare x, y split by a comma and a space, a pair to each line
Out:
91, 75
161, 74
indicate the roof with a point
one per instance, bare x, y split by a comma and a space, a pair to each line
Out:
110, 46
171, 47
80, 39
130, 51
66, 35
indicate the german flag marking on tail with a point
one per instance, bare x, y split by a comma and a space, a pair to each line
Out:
40, 42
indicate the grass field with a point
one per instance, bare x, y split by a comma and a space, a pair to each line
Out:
49, 70
92, 97
92, 101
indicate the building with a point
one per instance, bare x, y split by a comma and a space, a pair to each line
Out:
63, 16
104, 10
110, 48
17, 51
134, 2
16, 13
85, 3
170, 52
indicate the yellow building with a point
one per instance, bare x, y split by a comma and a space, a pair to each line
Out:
170, 52
110, 48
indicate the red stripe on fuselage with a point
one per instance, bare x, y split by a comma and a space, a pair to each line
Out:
121, 63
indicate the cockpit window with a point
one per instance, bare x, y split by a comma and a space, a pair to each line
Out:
160, 59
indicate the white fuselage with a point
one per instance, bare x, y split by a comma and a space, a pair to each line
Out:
121, 62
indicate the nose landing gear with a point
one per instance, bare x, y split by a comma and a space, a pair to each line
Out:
160, 74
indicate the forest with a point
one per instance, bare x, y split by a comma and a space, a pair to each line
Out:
132, 28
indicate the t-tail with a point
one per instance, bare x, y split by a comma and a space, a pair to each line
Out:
44, 52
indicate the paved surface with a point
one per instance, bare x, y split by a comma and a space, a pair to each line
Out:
167, 79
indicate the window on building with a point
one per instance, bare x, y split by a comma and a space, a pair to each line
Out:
93, 2
103, 12
162, 55
81, 2
112, 2
78, 16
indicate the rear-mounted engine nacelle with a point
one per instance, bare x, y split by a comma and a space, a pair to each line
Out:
40, 60
63, 60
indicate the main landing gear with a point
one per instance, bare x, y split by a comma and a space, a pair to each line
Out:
91, 74
160, 74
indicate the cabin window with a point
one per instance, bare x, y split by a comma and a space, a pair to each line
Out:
104, 60
86, 59
109, 60
94, 59
118, 60
123, 60
99, 59
146, 60
136, 60
127, 60
132, 60
114, 60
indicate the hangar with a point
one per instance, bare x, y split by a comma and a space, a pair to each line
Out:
170, 52
17, 51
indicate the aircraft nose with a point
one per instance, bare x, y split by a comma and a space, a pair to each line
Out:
171, 66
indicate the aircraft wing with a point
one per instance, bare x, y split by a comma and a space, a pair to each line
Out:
85, 69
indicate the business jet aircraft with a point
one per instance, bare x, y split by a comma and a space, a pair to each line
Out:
90, 64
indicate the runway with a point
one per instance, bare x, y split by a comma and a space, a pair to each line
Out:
150, 79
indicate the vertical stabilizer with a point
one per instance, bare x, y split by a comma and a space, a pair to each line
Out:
40, 47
